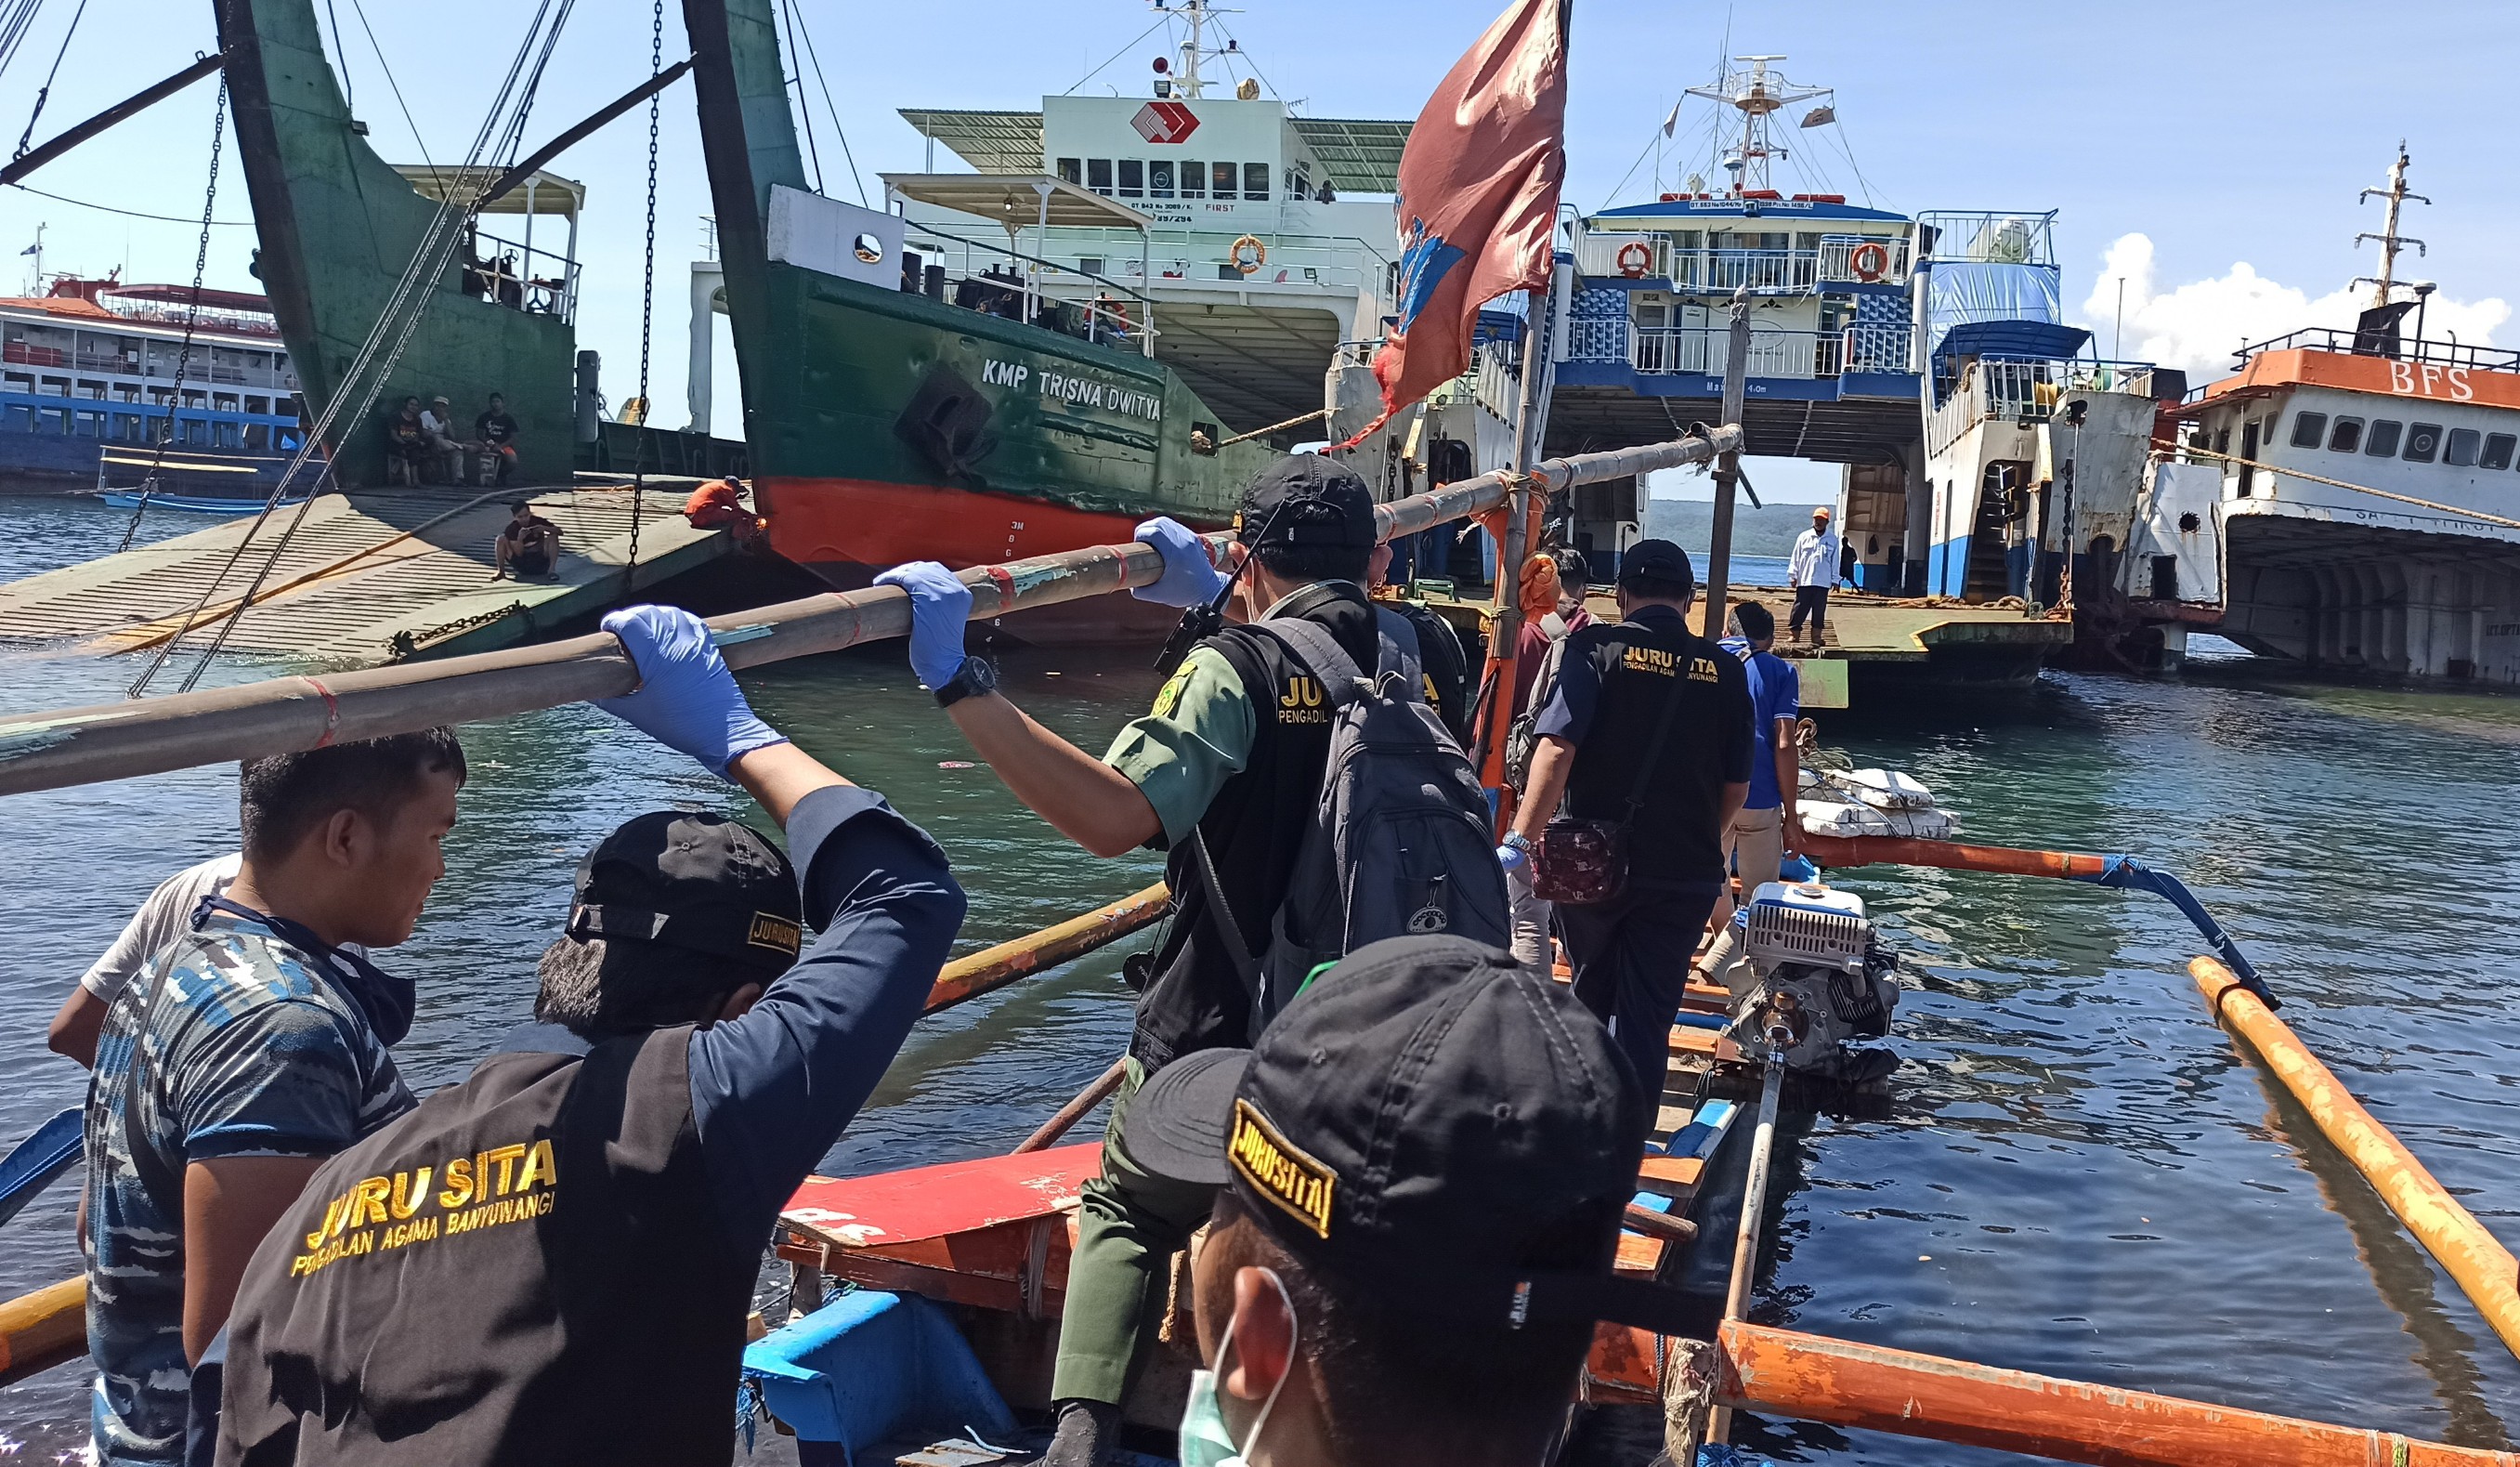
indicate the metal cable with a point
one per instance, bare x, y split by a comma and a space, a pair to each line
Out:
647, 316
813, 150
45, 92
191, 316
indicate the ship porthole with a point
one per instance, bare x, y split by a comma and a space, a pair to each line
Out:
870, 250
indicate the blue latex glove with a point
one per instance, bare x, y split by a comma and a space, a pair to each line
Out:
940, 605
687, 698
1510, 859
1190, 577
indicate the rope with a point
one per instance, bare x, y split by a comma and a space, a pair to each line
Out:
191, 316
647, 317
2337, 483
847, 155
128, 213
19, 15
44, 93
349, 99
430, 261
1262, 432
787, 13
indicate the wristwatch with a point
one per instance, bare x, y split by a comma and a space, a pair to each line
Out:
977, 675
1514, 839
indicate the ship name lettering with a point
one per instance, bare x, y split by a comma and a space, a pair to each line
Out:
2427, 380
999, 374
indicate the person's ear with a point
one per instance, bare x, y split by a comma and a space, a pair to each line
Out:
1379, 565
1264, 1338
345, 838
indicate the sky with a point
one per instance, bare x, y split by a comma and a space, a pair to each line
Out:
2209, 156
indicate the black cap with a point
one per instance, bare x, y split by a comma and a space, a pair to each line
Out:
1657, 560
1308, 478
1431, 1121
697, 882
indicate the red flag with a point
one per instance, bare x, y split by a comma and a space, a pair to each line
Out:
1478, 197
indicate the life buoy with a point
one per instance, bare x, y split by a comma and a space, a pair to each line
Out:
1635, 259
1869, 263
1249, 255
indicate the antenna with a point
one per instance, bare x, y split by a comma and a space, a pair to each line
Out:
2391, 242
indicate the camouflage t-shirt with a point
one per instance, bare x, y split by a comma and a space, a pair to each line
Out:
231, 1042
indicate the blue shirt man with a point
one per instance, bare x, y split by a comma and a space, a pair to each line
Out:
1767, 826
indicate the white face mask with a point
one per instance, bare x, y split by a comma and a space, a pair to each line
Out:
1205, 1439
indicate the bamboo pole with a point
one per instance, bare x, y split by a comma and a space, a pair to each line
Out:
1950, 856
993, 968
57, 747
1754, 1207
43, 1329
2483, 1267
1813, 1379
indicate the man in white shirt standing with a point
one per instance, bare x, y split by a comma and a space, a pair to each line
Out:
1812, 571
166, 915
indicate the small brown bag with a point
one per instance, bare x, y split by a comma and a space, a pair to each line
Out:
1584, 862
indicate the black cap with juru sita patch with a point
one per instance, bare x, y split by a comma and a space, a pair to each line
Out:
1432, 1123
697, 882
1325, 503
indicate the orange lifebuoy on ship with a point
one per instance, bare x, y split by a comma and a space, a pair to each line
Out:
1635, 259
1257, 255
1869, 262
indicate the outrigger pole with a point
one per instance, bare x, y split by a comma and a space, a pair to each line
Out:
139, 102
60, 748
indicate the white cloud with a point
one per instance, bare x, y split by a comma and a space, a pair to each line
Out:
2196, 324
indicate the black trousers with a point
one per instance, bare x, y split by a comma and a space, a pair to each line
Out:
1812, 602
1631, 960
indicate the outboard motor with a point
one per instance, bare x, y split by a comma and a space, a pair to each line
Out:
1824, 982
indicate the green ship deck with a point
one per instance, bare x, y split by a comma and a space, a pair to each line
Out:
371, 577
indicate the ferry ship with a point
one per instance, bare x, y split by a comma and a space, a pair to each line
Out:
89, 388
1038, 356
2363, 484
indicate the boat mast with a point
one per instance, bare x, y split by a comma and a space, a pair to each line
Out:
2391, 242
1193, 49
1757, 95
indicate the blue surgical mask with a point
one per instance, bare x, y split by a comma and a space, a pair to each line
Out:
1205, 1439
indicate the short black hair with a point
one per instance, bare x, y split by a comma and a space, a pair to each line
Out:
1657, 588
1492, 1395
498, 396
1756, 622
599, 990
1312, 563
520, 506
282, 797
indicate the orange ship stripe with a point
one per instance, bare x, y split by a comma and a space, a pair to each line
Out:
2424, 382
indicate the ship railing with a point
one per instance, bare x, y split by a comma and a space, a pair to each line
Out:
174, 313
1870, 348
1179, 258
517, 275
2388, 344
1877, 347
2027, 391
1498, 387
1993, 237
998, 280
1649, 255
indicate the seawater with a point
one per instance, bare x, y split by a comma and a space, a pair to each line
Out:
2077, 1173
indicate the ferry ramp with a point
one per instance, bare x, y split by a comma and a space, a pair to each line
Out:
368, 577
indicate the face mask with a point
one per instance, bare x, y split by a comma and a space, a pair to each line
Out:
1206, 1440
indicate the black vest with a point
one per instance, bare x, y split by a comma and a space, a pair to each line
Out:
1196, 1000
528, 1268
1674, 838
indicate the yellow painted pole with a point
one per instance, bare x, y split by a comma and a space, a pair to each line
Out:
2485, 1270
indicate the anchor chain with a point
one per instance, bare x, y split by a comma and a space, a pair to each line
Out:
192, 317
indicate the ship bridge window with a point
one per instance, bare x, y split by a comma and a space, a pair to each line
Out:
1227, 181
1072, 170
2382, 441
2496, 453
1098, 175
2423, 442
2458, 450
2308, 429
1299, 181
2346, 437
1255, 181
1159, 178
1133, 178
1193, 179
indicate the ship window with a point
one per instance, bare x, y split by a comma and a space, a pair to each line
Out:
2308, 429
1098, 175
1299, 183
2382, 441
1255, 180
1133, 178
1227, 181
2423, 442
1072, 170
2460, 449
1159, 178
2346, 437
1193, 179
2497, 451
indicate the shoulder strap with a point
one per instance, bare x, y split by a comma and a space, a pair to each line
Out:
1237, 951
1654, 747
1318, 649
